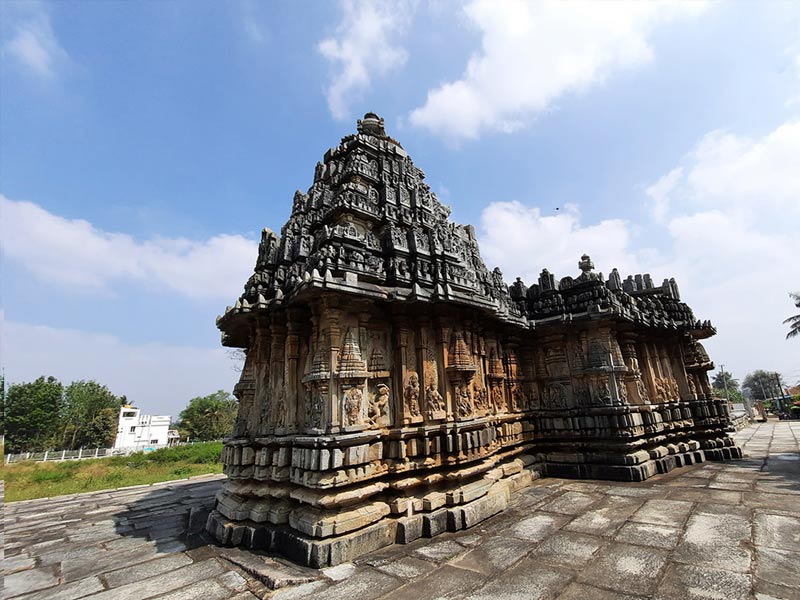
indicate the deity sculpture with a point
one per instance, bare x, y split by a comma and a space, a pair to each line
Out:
352, 405
433, 399
378, 405
463, 401
280, 408
411, 395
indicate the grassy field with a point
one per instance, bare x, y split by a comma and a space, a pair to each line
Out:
27, 480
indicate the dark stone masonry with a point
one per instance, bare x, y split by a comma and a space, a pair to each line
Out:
396, 388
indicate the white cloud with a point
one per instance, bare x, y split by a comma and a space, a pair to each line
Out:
534, 52
523, 241
737, 273
734, 172
734, 169
159, 378
73, 253
33, 43
734, 207
365, 46
659, 192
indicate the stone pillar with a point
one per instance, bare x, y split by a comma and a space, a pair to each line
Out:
442, 341
286, 405
262, 352
277, 371
332, 327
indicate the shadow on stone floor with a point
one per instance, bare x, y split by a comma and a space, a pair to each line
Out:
171, 516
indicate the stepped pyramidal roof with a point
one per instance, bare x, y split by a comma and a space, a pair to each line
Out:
371, 226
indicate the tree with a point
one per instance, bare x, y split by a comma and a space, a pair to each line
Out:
32, 413
763, 384
735, 396
723, 377
793, 322
209, 417
89, 415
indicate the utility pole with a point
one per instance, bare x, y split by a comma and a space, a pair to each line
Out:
761, 385
780, 390
725, 383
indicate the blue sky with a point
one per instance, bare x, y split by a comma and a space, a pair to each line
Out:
145, 144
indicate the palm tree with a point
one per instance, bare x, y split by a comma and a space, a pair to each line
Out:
794, 322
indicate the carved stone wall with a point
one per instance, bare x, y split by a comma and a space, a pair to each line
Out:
394, 387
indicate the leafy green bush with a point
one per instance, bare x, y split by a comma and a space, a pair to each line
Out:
207, 453
203, 453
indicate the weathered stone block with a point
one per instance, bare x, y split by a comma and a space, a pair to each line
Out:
434, 523
409, 528
483, 508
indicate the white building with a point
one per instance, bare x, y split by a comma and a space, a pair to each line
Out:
135, 430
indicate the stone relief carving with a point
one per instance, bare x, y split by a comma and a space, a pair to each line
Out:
556, 362
622, 391
498, 402
463, 401
411, 395
692, 387
434, 402
580, 389
315, 406
598, 355
280, 408
666, 389
554, 396
379, 406
642, 389
352, 405
479, 398
602, 391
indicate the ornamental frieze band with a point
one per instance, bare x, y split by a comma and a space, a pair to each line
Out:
396, 388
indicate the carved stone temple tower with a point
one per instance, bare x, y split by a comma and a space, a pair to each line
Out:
395, 388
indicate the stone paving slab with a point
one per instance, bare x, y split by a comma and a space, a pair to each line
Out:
727, 531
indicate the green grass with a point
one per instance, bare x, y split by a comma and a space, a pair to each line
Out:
28, 480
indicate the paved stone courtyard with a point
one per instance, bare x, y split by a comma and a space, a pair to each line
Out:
716, 530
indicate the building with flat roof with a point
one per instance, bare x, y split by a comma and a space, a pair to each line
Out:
135, 430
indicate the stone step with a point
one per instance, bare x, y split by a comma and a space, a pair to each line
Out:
270, 572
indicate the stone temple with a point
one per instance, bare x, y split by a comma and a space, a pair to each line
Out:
394, 387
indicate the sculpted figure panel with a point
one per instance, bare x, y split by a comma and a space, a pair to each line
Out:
352, 405
315, 406
554, 396
434, 402
463, 400
411, 395
497, 399
280, 408
379, 406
